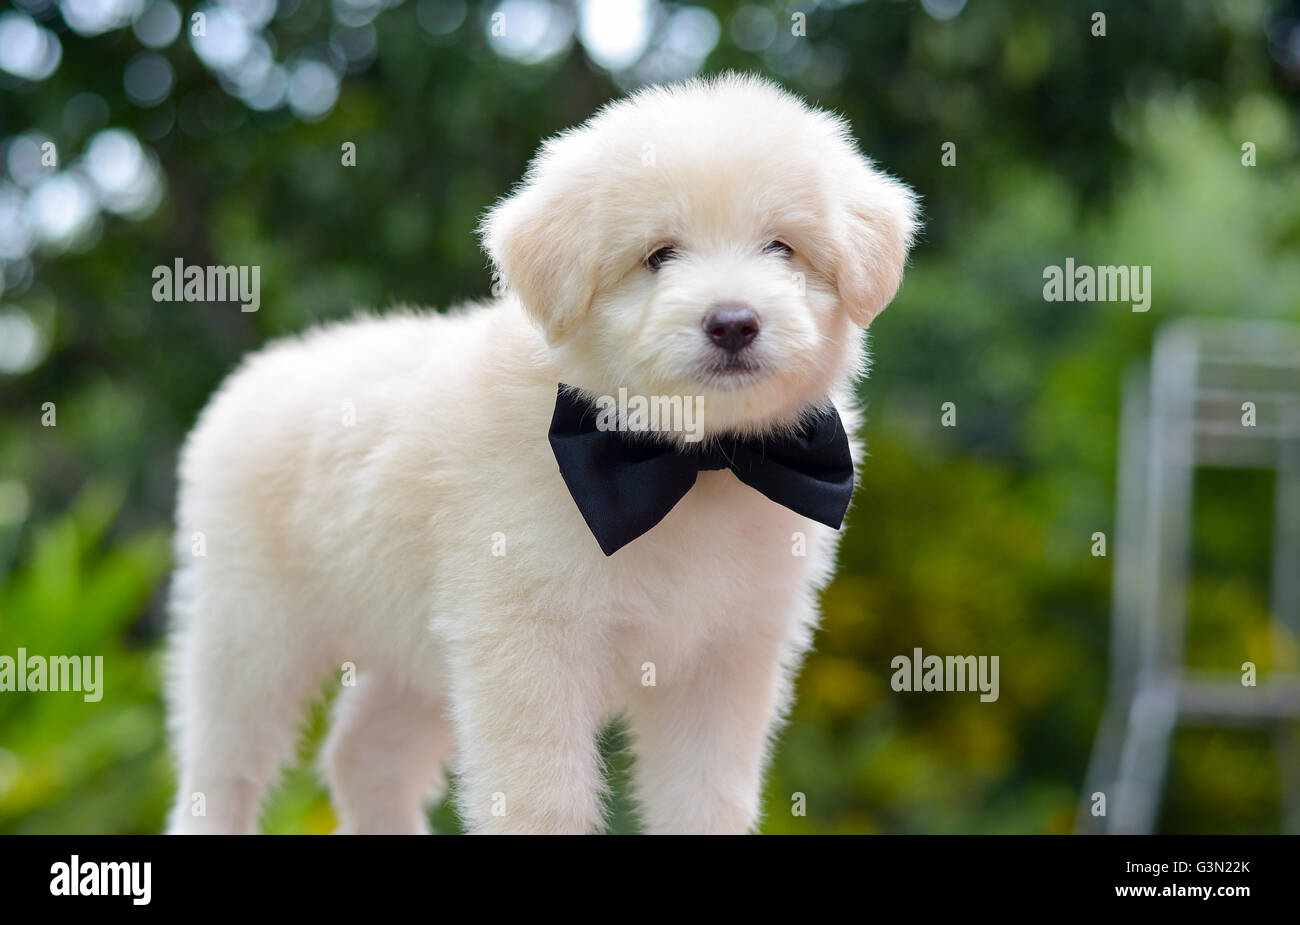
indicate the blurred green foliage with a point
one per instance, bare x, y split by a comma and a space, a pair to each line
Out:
975, 539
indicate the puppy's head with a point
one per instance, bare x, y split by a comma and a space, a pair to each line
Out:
715, 238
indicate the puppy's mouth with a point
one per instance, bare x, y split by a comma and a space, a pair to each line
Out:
732, 372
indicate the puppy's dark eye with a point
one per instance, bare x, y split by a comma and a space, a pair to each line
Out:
661, 256
778, 247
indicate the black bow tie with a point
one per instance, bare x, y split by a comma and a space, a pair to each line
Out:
625, 483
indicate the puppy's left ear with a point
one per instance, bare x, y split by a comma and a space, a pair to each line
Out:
540, 240
879, 223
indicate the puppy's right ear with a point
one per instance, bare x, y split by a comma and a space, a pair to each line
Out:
541, 241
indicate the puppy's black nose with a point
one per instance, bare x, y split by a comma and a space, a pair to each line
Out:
732, 326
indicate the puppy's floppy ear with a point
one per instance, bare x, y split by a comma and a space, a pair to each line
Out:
877, 228
542, 241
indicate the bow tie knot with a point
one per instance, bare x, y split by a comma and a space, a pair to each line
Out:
624, 484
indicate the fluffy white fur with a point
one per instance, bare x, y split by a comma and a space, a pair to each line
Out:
332, 541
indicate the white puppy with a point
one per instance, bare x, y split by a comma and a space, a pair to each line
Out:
381, 493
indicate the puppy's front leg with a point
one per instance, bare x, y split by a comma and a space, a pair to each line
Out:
527, 705
701, 739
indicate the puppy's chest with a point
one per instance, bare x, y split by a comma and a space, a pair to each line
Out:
724, 550
722, 517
